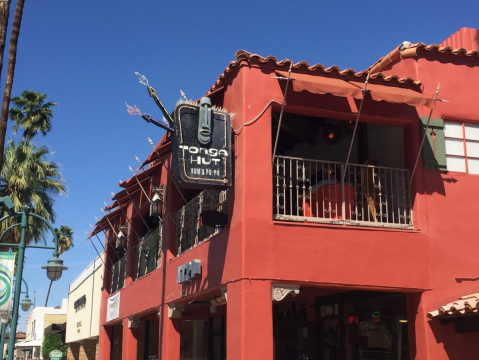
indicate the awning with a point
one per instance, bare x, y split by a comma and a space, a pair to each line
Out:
29, 343
322, 85
396, 95
338, 87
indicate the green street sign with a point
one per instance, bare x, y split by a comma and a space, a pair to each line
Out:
56, 355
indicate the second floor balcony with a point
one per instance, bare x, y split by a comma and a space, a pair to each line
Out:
189, 229
329, 192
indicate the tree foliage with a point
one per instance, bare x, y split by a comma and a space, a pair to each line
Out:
32, 113
65, 239
31, 179
65, 243
53, 342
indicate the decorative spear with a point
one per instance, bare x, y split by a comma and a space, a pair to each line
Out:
104, 249
139, 183
135, 206
126, 217
183, 95
152, 92
89, 238
167, 172
133, 110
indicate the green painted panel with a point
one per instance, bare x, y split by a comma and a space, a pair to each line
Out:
434, 148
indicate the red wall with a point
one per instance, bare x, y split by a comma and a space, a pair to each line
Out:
451, 200
256, 247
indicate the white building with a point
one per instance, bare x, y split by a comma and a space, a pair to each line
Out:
39, 319
84, 312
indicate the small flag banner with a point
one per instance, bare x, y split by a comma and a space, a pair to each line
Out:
7, 263
113, 310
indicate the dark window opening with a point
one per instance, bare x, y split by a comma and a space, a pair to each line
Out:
312, 181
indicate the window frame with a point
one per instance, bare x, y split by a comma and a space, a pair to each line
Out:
464, 144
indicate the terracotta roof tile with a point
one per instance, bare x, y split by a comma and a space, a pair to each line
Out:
413, 49
304, 67
464, 42
464, 305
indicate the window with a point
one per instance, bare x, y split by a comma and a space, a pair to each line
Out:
462, 147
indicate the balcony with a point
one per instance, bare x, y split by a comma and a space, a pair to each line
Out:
118, 272
316, 191
148, 252
189, 230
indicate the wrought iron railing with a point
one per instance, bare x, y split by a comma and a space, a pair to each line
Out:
118, 273
312, 190
148, 252
189, 230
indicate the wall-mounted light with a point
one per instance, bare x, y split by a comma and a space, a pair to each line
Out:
120, 240
155, 205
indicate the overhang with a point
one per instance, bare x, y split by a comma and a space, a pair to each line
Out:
396, 95
29, 343
322, 85
338, 87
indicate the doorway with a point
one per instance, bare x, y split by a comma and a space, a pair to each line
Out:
116, 342
203, 339
361, 325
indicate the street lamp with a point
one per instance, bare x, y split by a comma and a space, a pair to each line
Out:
26, 303
54, 266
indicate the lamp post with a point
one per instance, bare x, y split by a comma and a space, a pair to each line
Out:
26, 303
54, 266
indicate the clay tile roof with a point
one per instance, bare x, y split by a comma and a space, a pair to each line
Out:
304, 67
413, 49
464, 305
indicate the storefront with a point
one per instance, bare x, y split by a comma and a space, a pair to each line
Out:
147, 347
355, 325
203, 339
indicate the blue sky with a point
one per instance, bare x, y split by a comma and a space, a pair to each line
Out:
83, 54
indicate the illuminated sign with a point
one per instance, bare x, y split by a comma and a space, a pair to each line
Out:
201, 146
352, 320
376, 317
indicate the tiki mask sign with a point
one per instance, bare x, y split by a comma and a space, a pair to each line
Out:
201, 148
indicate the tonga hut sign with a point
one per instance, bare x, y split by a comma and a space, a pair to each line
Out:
202, 146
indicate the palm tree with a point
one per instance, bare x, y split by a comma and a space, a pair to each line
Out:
12, 59
4, 15
65, 243
30, 178
32, 113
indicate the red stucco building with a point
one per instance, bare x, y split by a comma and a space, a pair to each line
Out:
343, 241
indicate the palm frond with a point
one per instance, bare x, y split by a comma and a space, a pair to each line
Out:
30, 178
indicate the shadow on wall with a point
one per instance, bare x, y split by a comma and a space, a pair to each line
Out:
217, 247
458, 346
219, 244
